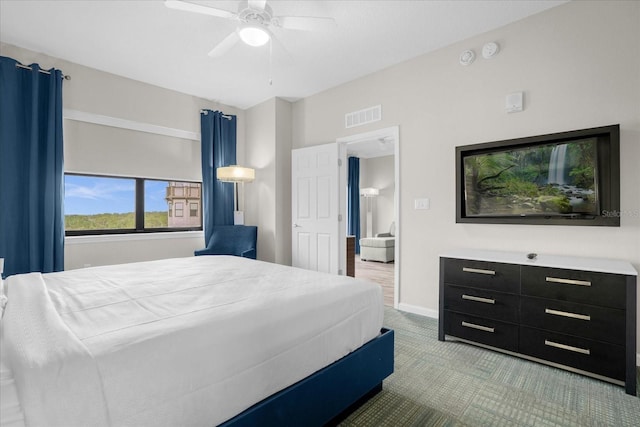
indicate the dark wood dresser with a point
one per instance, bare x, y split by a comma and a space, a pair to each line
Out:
573, 313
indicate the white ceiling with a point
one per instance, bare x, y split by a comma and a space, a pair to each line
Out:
145, 41
371, 149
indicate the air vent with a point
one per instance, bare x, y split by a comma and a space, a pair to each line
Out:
362, 117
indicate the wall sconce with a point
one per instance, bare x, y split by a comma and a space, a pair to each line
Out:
236, 174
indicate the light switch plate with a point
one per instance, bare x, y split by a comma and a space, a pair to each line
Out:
421, 204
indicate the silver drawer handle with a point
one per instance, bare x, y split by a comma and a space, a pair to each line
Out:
478, 299
567, 347
567, 314
478, 270
479, 327
568, 281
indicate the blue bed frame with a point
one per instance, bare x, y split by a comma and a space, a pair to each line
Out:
329, 394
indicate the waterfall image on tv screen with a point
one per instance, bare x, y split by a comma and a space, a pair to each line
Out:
544, 180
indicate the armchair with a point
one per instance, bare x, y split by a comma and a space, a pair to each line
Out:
238, 240
379, 248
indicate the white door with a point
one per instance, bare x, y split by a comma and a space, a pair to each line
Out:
315, 208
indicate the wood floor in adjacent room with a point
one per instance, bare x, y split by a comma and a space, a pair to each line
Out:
379, 272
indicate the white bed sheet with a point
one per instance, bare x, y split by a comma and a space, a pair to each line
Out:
194, 341
10, 411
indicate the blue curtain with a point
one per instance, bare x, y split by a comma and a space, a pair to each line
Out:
31, 169
353, 200
218, 138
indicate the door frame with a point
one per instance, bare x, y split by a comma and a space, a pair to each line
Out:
392, 132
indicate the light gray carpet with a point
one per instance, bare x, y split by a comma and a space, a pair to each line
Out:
454, 384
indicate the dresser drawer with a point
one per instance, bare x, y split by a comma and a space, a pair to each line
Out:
481, 303
588, 355
587, 321
481, 274
608, 290
485, 331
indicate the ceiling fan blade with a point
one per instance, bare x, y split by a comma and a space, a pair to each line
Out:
205, 10
305, 23
257, 4
226, 44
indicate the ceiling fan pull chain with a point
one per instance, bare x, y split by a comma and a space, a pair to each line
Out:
270, 61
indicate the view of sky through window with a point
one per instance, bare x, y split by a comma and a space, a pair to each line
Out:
155, 193
89, 195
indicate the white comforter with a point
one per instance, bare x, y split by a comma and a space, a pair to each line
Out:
188, 341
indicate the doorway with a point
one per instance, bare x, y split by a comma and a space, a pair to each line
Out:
379, 143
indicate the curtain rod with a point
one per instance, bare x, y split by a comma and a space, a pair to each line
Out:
26, 67
224, 115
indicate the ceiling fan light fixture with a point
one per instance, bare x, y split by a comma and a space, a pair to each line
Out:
253, 35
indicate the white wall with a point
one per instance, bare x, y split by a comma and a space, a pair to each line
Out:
284, 144
260, 195
378, 172
579, 66
101, 149
268, 198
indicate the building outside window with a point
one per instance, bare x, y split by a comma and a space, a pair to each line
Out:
182, 195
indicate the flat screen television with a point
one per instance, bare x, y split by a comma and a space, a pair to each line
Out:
567, 178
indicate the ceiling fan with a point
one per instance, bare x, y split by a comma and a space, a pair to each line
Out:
255, 18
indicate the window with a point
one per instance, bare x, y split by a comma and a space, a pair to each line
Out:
99, 203
103, 205
179, 208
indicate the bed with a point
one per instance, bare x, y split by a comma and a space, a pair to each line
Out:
195, 341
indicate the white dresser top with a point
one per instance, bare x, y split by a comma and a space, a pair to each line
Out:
601, 265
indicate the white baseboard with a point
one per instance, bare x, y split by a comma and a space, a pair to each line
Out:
415, 309
421, 311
